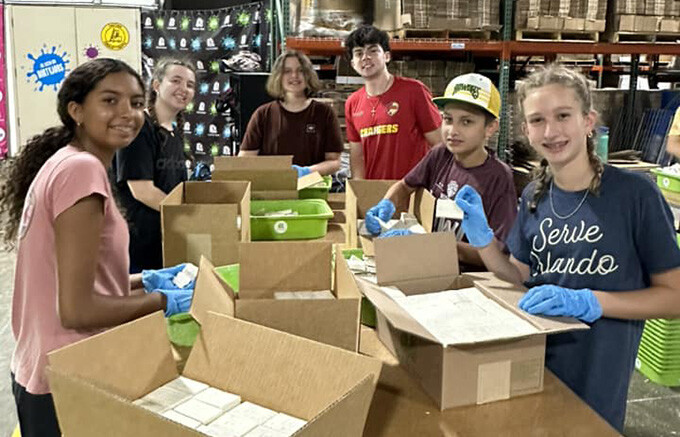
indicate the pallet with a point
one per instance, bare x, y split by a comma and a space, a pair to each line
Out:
556, 35
478, 34
645, 37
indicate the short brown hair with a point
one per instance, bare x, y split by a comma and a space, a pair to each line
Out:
274, 87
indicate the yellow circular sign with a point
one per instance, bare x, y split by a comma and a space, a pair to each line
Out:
115, 36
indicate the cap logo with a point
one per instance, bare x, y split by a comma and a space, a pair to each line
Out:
472, 89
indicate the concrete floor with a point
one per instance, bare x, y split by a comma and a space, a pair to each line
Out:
653, 411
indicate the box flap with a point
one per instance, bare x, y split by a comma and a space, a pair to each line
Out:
508, 295
261, 180
275, 195
309, 180
346, 417
345, 283
419, 256
85, 410
423, 206
175, 197
392, 311
273, 162
220, 192
330, 321
210, 293
112, 359
284, 266
273, 368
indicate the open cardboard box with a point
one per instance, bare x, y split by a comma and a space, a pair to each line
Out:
271, 177
458, 374
205, 219
94, 381
268, 267
363, 194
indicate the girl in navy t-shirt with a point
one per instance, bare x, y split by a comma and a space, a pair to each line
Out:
590, 241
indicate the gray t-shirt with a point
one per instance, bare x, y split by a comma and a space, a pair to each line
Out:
614, 242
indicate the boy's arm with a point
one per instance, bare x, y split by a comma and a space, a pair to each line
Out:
356, 160
434, 137
399, 194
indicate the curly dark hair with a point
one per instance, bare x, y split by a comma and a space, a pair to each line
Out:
365, 35
17, 174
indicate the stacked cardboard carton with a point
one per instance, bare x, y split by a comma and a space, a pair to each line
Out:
561, 15
453, 15
643, 17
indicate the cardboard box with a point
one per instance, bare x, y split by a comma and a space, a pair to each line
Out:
646, 24
626, 23
363, 194
595, 25
268, 267
671, 25
574, 23
205, 219
94, 381
460, 374
387, 15
271, 177
545, 22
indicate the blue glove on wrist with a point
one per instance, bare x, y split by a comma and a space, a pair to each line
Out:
178, 301
395, 233
384, 210
553, 300
302, 171
475, 226
162, 279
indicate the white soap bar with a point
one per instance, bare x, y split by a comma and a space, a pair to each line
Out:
284, 424
356, 264
325, 294
150, 405
187, 385
223, 400
234, 423
198, 410
181, 419
285, 295
262, 431
215, 430
166, 397
185, 276
257, 413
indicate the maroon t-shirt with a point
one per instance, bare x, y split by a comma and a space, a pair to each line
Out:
440, 173
307, 135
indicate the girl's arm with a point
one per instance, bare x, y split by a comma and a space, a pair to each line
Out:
660, 300
329, 166
507, 268
77, 237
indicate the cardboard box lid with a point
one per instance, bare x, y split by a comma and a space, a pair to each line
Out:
274, 162
414, 257
284, 266
219, 192
130, 360
276, 369
210, 294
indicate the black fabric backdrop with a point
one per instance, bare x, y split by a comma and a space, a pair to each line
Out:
229, 39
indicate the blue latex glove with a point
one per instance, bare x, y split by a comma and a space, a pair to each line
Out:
395, 233
178, 301
384, 210
553, 300
475, 226
302, 171
162, 278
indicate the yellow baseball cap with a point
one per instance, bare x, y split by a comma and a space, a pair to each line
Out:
474, 89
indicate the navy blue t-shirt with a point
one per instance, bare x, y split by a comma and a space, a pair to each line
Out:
614, 242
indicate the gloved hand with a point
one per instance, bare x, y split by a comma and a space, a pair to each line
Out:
302, 171
553, 300
384, 210
162, 278
475, 226
178, 301
395, 233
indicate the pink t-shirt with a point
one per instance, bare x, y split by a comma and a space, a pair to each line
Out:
68, 176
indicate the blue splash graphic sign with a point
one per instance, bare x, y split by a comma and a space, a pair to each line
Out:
49, 68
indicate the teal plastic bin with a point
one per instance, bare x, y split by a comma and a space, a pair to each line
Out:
310, 222
318, 191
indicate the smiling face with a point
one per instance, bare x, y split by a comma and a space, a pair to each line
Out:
293, 80
464, 129
176, 89
556, 126
370, 61
112, 114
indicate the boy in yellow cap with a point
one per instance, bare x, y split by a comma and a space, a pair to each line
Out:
470, 109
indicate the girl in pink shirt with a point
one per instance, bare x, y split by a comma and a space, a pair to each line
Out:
56, 205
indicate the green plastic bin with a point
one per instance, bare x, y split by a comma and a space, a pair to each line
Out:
311, 221
368, 315
230, 275
667, 182
318, 191
182, 329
